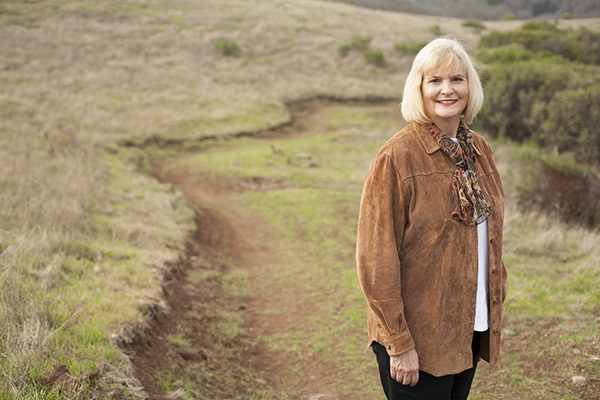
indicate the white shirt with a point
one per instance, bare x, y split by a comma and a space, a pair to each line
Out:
482, 309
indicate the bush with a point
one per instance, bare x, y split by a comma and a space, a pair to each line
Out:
512, 53
511, 91
509, 16
436, 30
409, 48
558, 105
374, 57
360, 43
570, 121
531, 38
357, 43
567, 16
344, 49
580, 45
539, 26
473, 23
558, 183
227, 47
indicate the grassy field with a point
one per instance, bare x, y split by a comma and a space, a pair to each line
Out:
86, 234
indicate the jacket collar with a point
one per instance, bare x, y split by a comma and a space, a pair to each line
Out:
430, 145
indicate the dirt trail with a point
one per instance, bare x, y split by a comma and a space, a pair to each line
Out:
216, 242
186, 298
233, 235
222, 234
194, 291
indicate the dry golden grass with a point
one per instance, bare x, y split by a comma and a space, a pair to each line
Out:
83, 231
140, 69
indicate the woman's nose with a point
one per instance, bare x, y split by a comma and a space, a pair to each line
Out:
447, 88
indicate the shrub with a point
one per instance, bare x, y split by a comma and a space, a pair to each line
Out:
357, 43
570, 121
558, 183
539, 26
409, 48
567, 16
473, 23
558, 105
360, 43
531, 39
580, 45
511, 91
374, 57
344, 49
227, 47
515, 52
508, 16
436, 30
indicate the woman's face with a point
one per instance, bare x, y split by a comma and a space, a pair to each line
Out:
445, 93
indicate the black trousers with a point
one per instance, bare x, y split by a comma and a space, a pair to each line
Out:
429, 387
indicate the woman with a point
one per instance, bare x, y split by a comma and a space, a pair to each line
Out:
429, 246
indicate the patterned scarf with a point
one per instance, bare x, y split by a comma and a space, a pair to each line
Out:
469, 205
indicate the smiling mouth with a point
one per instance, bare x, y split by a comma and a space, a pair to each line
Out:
446, 101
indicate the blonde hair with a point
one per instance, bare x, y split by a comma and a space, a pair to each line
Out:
444, 52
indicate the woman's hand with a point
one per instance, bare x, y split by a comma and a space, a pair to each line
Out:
404, 368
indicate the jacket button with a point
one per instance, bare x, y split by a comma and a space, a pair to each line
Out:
495, 330
389, 347
492, 241
493, 270
495, 302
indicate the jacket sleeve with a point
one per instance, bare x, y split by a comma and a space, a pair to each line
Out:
380, 230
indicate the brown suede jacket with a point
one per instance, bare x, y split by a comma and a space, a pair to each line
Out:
417, 266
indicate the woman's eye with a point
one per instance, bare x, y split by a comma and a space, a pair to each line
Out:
458, 79
434, 80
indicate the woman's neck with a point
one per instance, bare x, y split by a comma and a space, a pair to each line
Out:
449, 127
